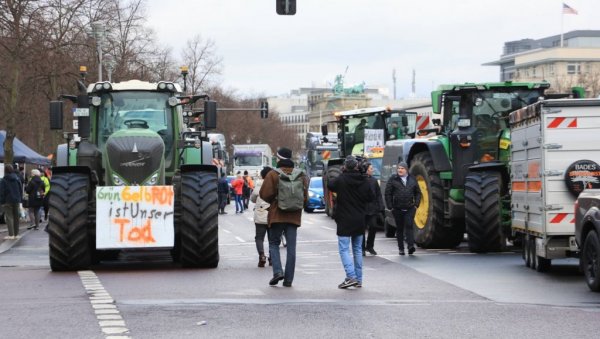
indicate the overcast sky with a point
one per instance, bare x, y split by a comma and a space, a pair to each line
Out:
444, 41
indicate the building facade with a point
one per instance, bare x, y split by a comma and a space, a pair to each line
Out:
576, 63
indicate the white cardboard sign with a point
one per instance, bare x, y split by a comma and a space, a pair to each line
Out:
134, 216
373, 138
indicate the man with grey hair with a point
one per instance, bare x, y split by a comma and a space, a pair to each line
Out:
403, 196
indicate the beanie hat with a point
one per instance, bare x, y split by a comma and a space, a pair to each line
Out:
350, 163
284, 153
245, 172
402, 164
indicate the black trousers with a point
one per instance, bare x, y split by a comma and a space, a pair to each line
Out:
405, 220
371, 221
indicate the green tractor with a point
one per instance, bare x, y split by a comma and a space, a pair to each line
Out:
362, 132
134, 177
463, 171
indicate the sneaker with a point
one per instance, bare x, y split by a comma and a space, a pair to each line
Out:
30, 227
359, 285
411, 250
287, 283
9, 237
371, 251
401, 252
348, 282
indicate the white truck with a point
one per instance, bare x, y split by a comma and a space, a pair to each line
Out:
251, 158
555, 144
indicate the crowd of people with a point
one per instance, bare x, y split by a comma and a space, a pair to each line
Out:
359, 203
29, 192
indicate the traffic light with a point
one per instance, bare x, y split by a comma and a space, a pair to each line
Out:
285, 7
264, 109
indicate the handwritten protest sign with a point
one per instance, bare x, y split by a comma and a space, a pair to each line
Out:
373, 138
134, 216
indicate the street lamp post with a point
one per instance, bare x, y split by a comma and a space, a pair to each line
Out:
99, 34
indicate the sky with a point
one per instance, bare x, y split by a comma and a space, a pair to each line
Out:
443, 41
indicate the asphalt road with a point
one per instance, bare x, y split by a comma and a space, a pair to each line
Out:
434, 294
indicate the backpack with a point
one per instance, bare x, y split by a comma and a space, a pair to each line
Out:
290, 191
246, 188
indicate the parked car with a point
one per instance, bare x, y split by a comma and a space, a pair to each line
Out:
315, 195
587, 231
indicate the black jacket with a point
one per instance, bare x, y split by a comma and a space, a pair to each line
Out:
35, 185
222, 185
400, 196
353, 194
10, 189
376, 206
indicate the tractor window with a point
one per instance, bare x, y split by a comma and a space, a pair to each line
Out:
139, 109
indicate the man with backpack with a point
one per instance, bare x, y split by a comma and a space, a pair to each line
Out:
286, 190
247, 189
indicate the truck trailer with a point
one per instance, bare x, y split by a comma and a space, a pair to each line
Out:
251, 158
553, 153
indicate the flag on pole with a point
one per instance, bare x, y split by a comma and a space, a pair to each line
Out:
568, 9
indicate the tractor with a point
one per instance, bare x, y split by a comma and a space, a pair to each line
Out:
360, 132
463, 170
132, 177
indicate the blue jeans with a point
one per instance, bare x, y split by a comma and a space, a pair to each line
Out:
353, 268
239, 207
274, 241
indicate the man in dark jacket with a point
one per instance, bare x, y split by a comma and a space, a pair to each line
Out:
403, 196
223, 191
374, 209
10, 198
353, 194
280, 221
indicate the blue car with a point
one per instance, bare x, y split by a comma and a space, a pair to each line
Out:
315, 195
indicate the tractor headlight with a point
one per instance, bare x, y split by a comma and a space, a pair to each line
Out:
152, 181
117, 180
96, 101
173, 101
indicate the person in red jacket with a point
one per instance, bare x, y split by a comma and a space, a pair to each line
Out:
238, 185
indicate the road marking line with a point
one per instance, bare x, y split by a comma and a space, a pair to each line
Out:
107, 314
240, 239
327, 228
224, 230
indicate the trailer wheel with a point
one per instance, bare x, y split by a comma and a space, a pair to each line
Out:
69, 242
429, 217
532, 253
483, 212
526, 252
198, 238
590, 261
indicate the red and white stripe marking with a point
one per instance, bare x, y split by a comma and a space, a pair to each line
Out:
561, 122
423, 121
560, 217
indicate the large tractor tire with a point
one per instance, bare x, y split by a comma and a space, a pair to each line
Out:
198, 228
590, 261
69, 242
483, 191
333, 172
429, 218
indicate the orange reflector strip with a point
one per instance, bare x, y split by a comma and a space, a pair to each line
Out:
519, 186
534, 186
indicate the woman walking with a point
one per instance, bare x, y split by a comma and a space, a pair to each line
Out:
35, 190
261, 211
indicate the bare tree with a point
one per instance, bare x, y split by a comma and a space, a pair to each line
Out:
203, 63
